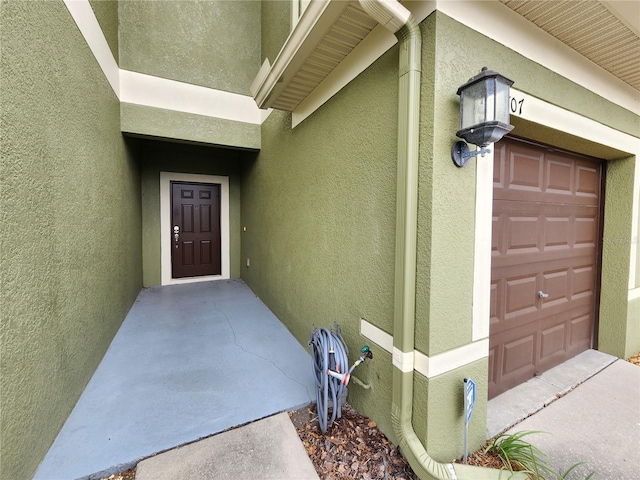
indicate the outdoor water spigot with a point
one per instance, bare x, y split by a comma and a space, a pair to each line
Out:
367, 353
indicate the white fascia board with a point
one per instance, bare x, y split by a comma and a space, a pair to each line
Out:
310, 29
141, 89
85, 19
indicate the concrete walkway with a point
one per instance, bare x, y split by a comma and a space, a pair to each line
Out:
189, 361
597, 422
269, 449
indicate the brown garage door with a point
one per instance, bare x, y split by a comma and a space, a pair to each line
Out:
545, 256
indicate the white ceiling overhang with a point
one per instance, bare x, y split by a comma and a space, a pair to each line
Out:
325, 34
604, 32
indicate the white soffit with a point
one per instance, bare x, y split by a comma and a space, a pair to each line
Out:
604, 32
326, 33
309, 68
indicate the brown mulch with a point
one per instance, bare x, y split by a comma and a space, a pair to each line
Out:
128, 475
635, 359
354, 447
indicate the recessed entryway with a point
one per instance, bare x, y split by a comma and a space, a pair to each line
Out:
545, 260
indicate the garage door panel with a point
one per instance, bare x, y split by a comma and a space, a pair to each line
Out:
518, 355
556, 284
520, 297
580, 333
586, 230
559, 178
545, 241
553, 342
523, 234
525, 171
588, 183
557, 232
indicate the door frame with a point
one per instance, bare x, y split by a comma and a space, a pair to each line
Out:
165, 225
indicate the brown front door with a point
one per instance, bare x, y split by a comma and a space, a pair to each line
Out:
195, 234
545, 256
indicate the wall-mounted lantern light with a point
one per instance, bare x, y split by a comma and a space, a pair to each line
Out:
484, 114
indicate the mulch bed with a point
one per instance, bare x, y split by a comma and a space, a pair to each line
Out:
128, 475
352, 447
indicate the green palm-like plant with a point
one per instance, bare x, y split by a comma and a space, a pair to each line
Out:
519, 455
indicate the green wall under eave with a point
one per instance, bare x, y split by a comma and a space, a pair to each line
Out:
70, 238
162, 156
276, 26
213, 43
319, 207
187, 127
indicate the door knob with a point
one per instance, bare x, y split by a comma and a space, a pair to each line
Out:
176, 234
541, 294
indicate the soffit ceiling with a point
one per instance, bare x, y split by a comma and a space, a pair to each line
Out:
603, 32
348, 30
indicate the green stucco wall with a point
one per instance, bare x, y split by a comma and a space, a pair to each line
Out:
161, 156
70, 238
214, 44
188, 127
106, 12
616, 325
319, 208
637, 239
275, 27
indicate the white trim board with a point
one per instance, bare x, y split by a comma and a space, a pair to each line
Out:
151, 91
87, 23
428, 366
165, 225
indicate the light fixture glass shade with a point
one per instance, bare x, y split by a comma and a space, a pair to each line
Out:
484, 108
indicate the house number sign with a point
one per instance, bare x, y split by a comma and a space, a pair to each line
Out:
515, 105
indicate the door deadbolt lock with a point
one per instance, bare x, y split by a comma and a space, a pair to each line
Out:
541, 294
176, 234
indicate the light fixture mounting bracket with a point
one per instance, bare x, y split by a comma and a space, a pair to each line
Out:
460, 153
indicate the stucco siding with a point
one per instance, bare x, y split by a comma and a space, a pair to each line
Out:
319, 208
70, 238
214, 44
189, 127
276, 26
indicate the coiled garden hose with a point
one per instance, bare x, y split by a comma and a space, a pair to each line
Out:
331, 372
